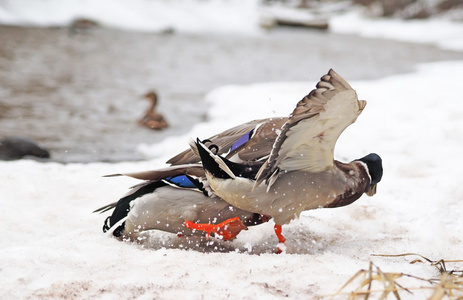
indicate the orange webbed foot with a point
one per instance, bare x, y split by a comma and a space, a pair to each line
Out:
226, 230
281, 239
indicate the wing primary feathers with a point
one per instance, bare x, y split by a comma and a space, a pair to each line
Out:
113, 175
105, 208
325, 112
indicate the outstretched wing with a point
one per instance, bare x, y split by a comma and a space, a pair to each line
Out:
308, 137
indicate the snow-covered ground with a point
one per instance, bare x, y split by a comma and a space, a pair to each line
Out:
437, 31
51, 245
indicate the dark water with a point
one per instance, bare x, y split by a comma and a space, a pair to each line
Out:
79, 95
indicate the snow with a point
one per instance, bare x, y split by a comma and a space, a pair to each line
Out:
224, 16
441, 32
142, 15
52, 245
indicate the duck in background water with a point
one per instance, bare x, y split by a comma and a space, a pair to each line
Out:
153, 119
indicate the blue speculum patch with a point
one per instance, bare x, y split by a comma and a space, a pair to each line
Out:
242, 140
181, 181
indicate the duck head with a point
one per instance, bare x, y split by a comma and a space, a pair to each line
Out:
374, 165
152, 96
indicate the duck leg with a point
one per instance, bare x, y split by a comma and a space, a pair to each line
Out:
226, 230
281, 239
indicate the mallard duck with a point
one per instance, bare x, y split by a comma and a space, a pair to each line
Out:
153, 119
178, 199
300, 173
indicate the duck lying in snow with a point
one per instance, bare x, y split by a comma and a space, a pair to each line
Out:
272, 168
178, 199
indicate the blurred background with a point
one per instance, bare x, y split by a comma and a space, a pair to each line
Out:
74, 74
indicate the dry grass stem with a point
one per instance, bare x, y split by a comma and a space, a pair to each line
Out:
375, 282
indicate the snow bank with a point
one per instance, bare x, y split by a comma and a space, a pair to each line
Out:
52, 245
222, 16
142, 15
437, 31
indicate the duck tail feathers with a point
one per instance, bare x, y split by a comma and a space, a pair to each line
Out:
212, 162
105, 208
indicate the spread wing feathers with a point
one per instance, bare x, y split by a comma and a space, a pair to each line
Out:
308, 137
172, 171
223, 140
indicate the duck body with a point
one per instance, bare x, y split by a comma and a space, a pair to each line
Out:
153, 120
330, 188
166, 209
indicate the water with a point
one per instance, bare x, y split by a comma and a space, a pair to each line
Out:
80, 95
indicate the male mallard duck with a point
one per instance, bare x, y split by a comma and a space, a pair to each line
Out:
152, 119
177, 199
300, 173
